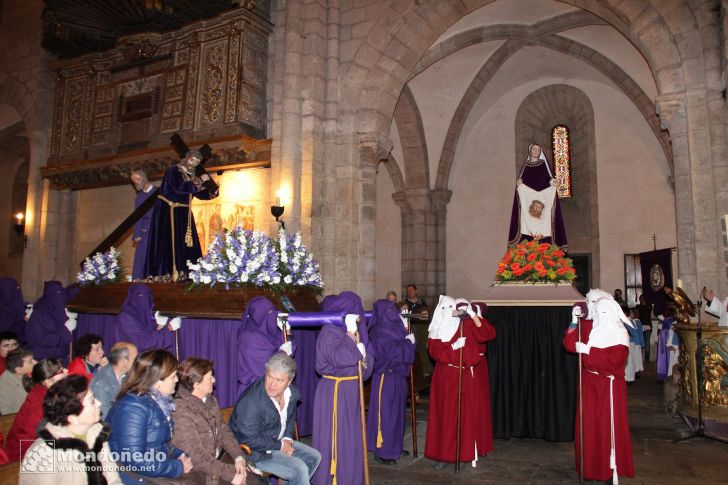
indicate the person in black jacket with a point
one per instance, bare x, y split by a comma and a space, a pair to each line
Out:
264, 418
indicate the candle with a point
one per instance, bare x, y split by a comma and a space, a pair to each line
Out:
679, 283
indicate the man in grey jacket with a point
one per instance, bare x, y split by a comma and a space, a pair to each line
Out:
263, 419
107, 381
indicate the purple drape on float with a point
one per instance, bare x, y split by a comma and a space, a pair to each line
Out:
215, 340
101, 325
306, 376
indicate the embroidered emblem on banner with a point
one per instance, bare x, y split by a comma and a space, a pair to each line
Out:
657, 277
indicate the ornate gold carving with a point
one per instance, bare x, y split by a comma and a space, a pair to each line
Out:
58, 103
212, 95
232, 92
74, 114
683, 306
189, 116
714, 368
685, 388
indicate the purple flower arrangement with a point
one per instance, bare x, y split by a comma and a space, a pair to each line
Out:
297, 265
100, 269
241, 257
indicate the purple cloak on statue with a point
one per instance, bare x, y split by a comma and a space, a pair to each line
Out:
537, 175
387, 416
663, 354
336, 357
141, 232
12, 308
46, 332
258, 338
170, 219
135, 322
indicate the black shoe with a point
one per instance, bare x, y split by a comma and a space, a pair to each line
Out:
440, 465
405, 453
384, 461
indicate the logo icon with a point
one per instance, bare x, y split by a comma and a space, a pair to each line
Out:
39, 459
657, 277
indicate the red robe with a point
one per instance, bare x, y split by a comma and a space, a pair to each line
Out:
26, 421
597, 426
476, 426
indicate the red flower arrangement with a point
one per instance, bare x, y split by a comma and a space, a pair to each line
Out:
534, 262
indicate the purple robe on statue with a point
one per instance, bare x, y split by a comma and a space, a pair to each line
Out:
258, 338
46, 332
12, 308
387, 416
170, 219
141, 232
537, 175
135, 323
336, 357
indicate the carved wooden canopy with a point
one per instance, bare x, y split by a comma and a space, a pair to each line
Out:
73, 28
230, 153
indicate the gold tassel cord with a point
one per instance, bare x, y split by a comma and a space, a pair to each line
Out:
334, 421
380, 438
188, 234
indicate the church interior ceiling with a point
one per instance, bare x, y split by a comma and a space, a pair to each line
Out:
73, 28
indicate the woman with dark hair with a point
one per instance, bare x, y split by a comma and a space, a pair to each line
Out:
90, 356
45, 373
199, 427
141, 420
80, 452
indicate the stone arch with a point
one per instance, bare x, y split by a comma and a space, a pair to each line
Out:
536, 116
15, 94
555, 42
384, 61
412, 137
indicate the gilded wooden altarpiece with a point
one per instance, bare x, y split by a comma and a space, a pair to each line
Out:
206, 81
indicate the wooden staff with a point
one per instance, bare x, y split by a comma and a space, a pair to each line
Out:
581, 412
365, 452
295, 422
176, 343
460, 401
413, 404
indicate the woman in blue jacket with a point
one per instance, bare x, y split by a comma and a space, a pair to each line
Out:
141, 427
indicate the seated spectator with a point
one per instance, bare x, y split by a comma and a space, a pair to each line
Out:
12, 308
21, 435
199, 427
8, 342
90, 351
263, 419
141, 421
19, 365
108, 379
73, 425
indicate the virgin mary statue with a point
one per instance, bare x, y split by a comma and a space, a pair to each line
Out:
536, 213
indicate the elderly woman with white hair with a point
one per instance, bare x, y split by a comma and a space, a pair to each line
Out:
604, 349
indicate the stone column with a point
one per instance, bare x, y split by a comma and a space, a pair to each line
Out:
440, 199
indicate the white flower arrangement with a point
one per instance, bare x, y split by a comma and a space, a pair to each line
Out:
101, 268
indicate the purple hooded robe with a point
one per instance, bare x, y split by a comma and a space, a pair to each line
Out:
135, 323
12, 308
141, 232
258, 338
388, 399
337, 356
46, 333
